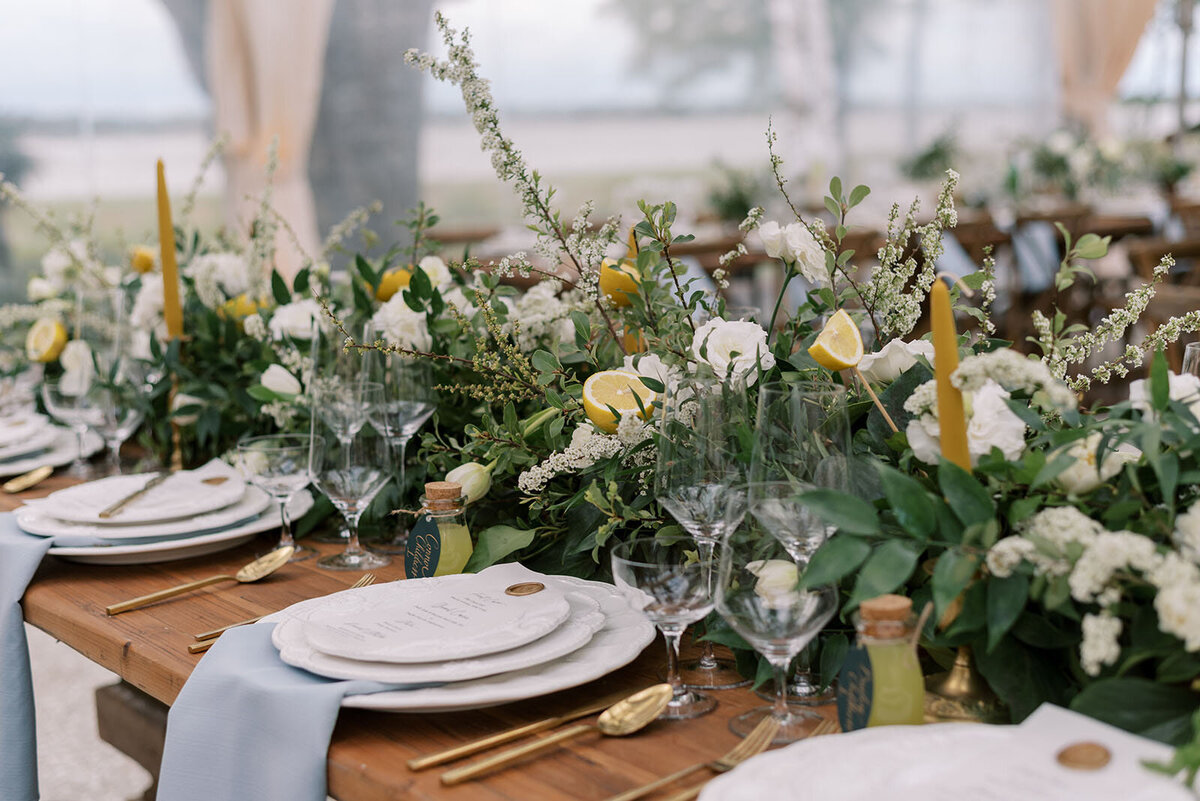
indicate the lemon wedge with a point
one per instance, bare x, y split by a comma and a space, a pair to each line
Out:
839, 345
618, 280
619, 390
142, 259
45, 340
392, 282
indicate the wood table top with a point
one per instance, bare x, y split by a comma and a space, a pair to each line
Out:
148, 649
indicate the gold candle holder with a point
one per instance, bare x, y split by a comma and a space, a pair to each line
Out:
961, 694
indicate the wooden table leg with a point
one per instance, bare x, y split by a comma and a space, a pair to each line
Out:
135, 724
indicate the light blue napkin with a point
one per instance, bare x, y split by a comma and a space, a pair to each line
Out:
248, 726
20, 555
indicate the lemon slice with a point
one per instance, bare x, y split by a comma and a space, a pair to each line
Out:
392, 282
618, 280
619, 390
839, 345
45, 340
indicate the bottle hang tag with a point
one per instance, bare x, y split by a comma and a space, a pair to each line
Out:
856, 688
424, 549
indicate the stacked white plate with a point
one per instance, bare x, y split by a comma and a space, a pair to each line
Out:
191, 513
29, 440
464, 641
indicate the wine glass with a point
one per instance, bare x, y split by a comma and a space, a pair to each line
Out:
801, 443
117, 413
760, 594
1191, 359
408, 401
351, 475
699, 480
669, 584
70, 403
278, 464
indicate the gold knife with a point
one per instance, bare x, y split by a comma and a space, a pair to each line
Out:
28, 480
111, 511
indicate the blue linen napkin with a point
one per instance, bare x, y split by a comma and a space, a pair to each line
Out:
247, 725
20, 554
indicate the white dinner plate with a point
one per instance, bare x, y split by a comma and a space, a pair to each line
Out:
61, 451
171, 550
585, 620
36, 436
438, 619
626, 633
37, 519
183, 494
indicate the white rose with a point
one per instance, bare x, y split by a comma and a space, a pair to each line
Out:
436, 270
229, 271
895, 358
651, 366
1185, 387
771, 236
733, 348
795, 245
1084, 475
402, 326
474, 478
990, 424
777, 580
42, 288
180, 401
279, 380
295, 319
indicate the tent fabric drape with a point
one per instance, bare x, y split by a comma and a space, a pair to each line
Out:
1096, 40
265, 62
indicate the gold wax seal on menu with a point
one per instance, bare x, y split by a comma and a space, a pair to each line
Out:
1084, 756
525, 588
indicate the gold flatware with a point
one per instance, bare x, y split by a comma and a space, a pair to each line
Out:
114, 510
27, 480
261, 567
507, 736
755, 742
204, 640
826, 726
624, 717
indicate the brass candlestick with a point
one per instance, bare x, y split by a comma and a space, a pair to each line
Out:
961, 694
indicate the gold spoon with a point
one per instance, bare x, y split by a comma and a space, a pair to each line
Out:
624, 717
260, 568
27, 480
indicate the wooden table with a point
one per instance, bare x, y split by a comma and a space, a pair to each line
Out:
148, 649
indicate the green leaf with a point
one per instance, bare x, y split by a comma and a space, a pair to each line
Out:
834, 560
835, 188
300, 282
909, 501
858, 194
1178, 668
833, 654
954, 569
888, 567
364, 270
653, 384
495, 543
833, 207
1006, 597
967, 497
849, 513
544, 361
1023, 677
1091, 246
279, 289
1141, 706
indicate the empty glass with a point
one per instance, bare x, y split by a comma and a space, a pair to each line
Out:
760, 594
669, 584
278, 464
1191, 359
70, 403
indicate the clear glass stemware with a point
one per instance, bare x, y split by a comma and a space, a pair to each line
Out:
278, 464
71, 404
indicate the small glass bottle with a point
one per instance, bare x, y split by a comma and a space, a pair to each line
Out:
885, 629
444, 504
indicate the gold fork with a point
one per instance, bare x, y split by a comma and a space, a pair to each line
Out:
826, 726
204, 640
755, 742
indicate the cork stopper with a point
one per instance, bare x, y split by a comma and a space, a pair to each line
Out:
443, 490
885, 618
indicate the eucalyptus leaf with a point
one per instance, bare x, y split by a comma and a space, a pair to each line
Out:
889, 566
495, 543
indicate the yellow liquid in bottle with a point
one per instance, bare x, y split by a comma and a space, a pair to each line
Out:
456, 548
899, 688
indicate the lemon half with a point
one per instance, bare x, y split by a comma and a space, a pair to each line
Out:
839, 345
618, 280
619, 390
392, 282
45, 340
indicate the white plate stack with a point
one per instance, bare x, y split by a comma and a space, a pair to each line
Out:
464, 641
191, 513
29, 440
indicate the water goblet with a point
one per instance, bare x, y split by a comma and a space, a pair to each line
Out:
759, 592
699, 480
70, 403
278, 464
668, 584
117, 414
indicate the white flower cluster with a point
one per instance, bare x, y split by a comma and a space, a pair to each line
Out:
1012, 371
1100, 644
1108, 553
990, 423
1183, 387
401, 326
255, 327
587, 447
219, 277
147, 311
543, 317
295, 320
1088, 471
68, 264
1043, 542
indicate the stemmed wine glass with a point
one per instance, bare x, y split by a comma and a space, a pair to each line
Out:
408, 401
117, 413
1191, 359
668, 584
699, 480
759, 592
351, 474
71, 404
278, 464
801, 443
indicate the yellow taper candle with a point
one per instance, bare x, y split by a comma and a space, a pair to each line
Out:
952, 421
172, 311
